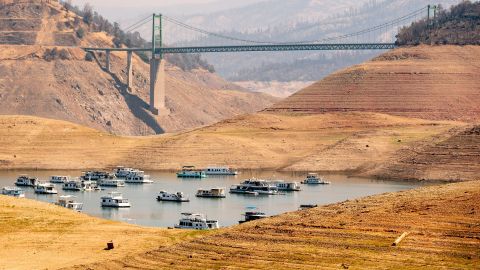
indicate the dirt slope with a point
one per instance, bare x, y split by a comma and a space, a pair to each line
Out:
443, 222
452, 156
329, 142
61, 84
35, 235
429, 82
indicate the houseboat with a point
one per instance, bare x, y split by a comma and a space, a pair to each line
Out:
123, 172
111, 182
26, 181
56, 179
95, 175
68, 201
254, 187
172, 197
191, 172
138, 177
314, 179
220, 171
13, 192
114, 199
73, 185
45, 188
252, 215
88, 185
211, 193
286, 186
196, 222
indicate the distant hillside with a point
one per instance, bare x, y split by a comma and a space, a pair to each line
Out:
429, 82
460, 25
44, 73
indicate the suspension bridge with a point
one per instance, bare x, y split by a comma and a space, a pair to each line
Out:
379, 37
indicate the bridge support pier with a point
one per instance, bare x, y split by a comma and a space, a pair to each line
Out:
129, 71
107, 64
157, 87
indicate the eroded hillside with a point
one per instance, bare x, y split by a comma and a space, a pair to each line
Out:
429, 82
45, 73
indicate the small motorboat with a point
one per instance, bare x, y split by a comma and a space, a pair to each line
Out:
196, 222
172, 197
13, 192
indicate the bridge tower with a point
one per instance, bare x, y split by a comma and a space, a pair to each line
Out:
157, 70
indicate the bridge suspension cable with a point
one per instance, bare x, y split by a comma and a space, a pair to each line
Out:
395, 22
138, 24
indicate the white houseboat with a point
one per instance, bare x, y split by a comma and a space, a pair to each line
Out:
286, 186
13, 192
111, 182
45, 188
56, 179
211, 193
172, 197
191, 172
314, 179
73, 185
114, 199
26, 181
68, 201
138, 177
88, 185
252, 215
123, 172
197, 222
254, 187
95, 175
220, 171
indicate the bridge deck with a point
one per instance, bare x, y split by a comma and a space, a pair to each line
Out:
258, 48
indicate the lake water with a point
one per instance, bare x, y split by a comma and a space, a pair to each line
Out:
147, 211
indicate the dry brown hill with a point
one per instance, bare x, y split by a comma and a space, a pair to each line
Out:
429, 82
442, 222
345, 142
44, 73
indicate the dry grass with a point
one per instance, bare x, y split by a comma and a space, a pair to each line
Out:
36, 235
443, 221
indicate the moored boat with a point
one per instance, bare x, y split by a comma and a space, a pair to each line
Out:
111, 181
252, 215
73, 185
45, 188
191, 172
57, 179
172, 197
13, 192
286, 186
196, 222
138, 177
254, 187
220, 171
211, 193
24, 180
314, 179
123, 172
307, 206
68, 201
95, 175
115, 200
